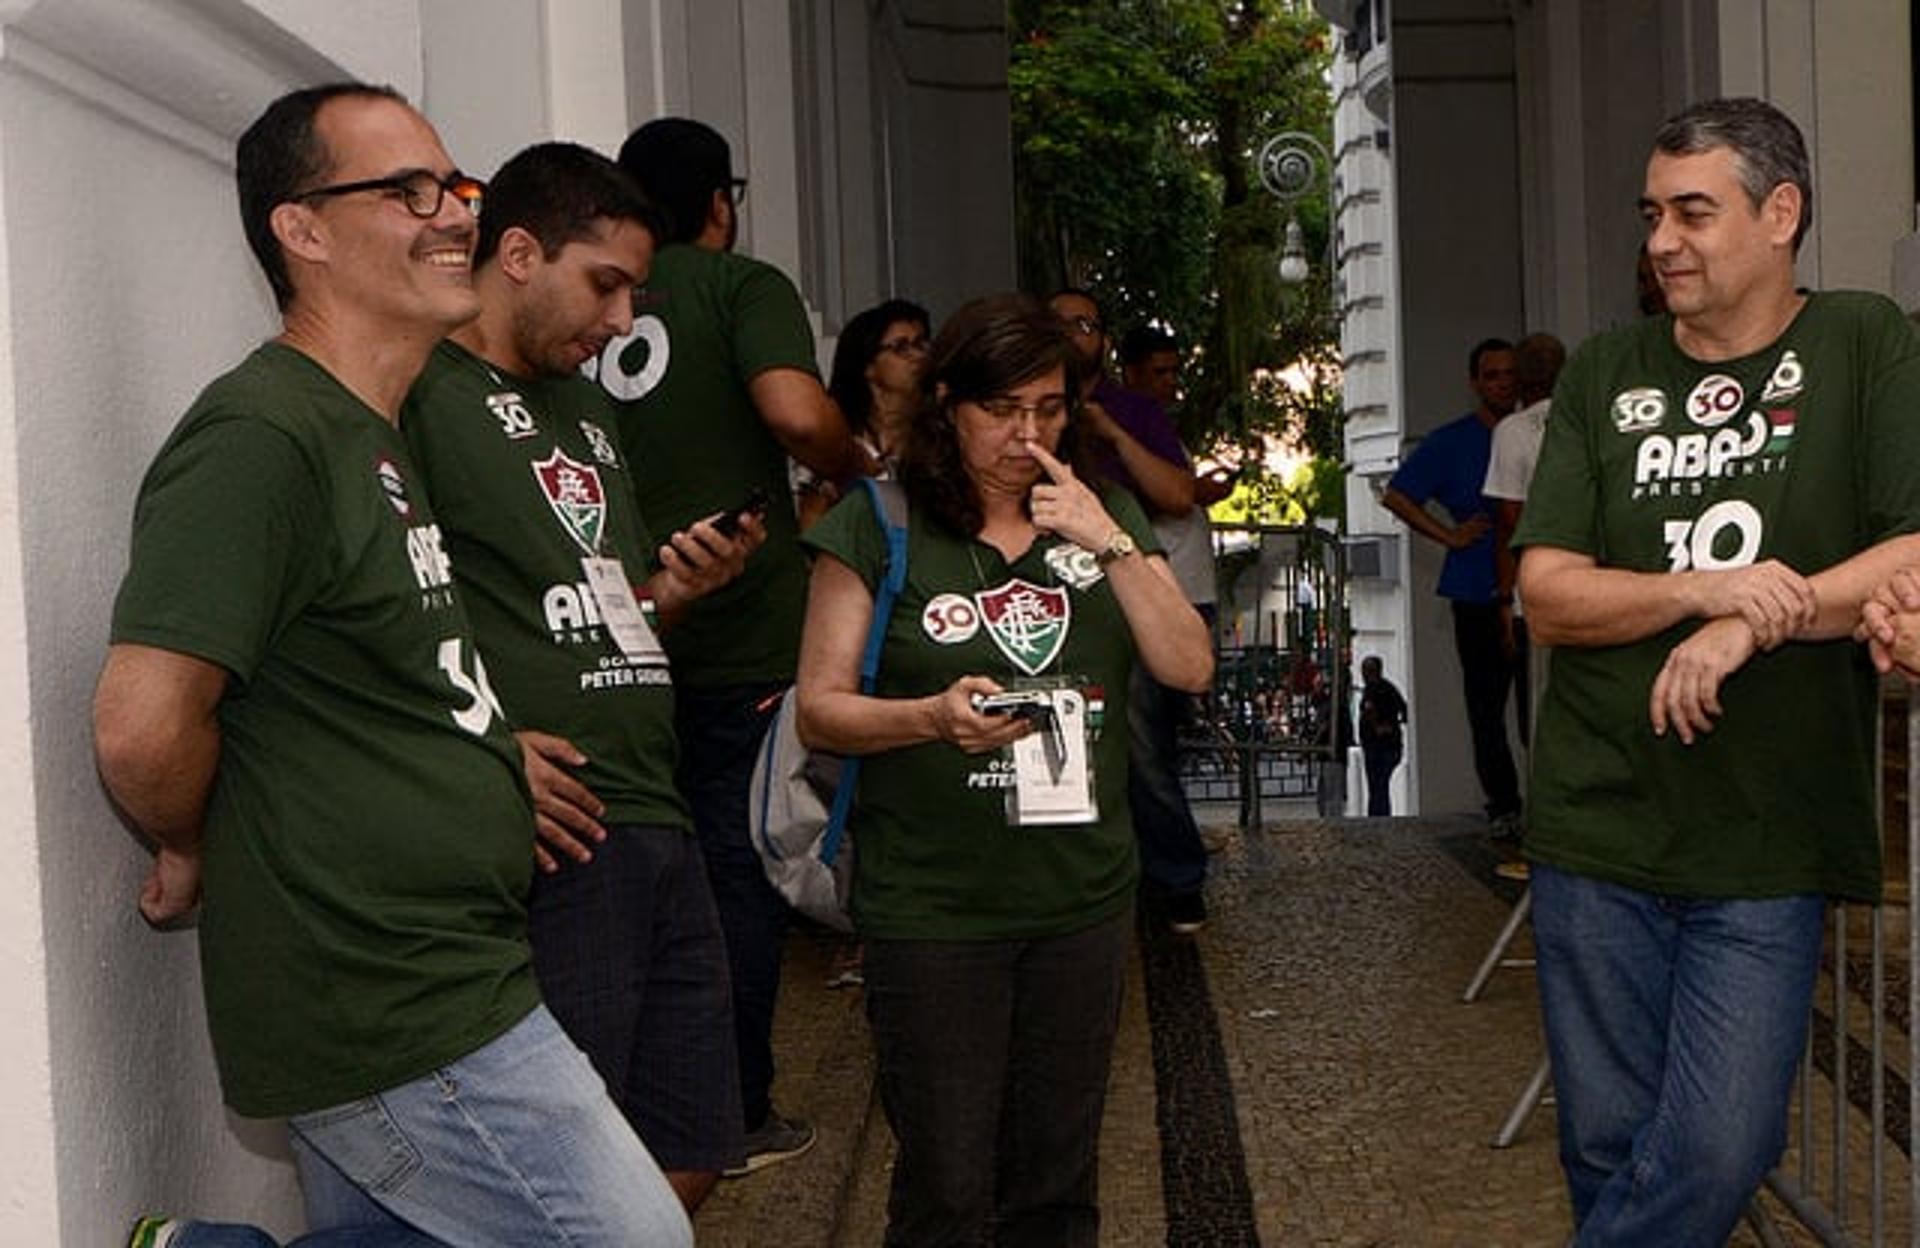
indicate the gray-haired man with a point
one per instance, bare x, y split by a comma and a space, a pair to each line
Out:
1719, 490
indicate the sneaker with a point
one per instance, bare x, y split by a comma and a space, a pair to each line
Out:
773, 1141
152, 1232
849, 968
1515, 870
1186, 912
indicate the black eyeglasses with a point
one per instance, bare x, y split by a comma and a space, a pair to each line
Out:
421, 190
1087, 325
738, 188
907, 347
1046, 411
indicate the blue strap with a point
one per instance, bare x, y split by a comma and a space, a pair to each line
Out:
890, 512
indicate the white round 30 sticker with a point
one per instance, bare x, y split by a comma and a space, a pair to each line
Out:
950, 619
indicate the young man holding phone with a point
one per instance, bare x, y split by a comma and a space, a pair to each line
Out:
569, 595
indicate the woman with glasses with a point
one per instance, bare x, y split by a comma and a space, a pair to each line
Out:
877, 366
995, 865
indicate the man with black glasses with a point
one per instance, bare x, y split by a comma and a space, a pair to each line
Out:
294, 711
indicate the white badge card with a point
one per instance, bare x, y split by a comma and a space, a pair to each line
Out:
620, 611
1052, 772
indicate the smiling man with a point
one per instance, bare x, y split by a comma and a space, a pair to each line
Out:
554, 556
295, 712
1719, 490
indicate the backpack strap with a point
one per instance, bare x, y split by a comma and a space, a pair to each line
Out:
890, 511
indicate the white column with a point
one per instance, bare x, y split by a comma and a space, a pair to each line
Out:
586, 72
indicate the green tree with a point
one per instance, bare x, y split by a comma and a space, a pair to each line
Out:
1137, 124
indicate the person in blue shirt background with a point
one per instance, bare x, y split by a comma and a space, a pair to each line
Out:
1449, 467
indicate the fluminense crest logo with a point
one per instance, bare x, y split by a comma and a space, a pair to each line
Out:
1640, 409
1028, 622
573, 491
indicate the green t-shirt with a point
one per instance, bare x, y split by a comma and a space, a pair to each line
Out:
368, 834
936, 858
527, 483
1807, 452
706, 324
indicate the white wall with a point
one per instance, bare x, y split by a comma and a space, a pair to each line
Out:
1862, 145
1460, 250
124, 286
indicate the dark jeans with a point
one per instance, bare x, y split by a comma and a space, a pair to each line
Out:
1489, 673
1676, 1027
1172, 856
631, 960
992, 1060
1381, 760
720, 732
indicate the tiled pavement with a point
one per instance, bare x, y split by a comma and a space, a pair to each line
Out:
1302, 1074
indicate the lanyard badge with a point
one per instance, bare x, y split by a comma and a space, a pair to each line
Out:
1052, 768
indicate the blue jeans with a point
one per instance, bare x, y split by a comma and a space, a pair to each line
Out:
1674, 1026
239, 1235
514, 1144
720, 732
1173, 858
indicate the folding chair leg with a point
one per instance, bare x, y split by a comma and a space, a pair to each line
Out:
1524, 1107
1494, 959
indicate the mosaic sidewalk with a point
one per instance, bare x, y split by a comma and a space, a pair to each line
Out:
1302, 1074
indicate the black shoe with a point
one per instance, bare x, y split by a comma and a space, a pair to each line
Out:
1186, 912
773, 1141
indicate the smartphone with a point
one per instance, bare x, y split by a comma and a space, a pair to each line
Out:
1020, 704
755, 503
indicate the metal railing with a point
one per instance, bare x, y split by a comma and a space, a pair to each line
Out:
1843, 1182
1270, 724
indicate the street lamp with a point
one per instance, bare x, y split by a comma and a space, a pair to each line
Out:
1292, 166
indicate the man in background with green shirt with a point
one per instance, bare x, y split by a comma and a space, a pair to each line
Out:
1719, 490
293, 709
554, 555
716, 386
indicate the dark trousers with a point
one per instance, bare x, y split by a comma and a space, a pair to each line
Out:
720, 733
632, 962
1381, 760
1489, 673
1172, 856
992, 1060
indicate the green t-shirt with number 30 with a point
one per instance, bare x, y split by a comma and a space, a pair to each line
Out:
1807, 451
368, 835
